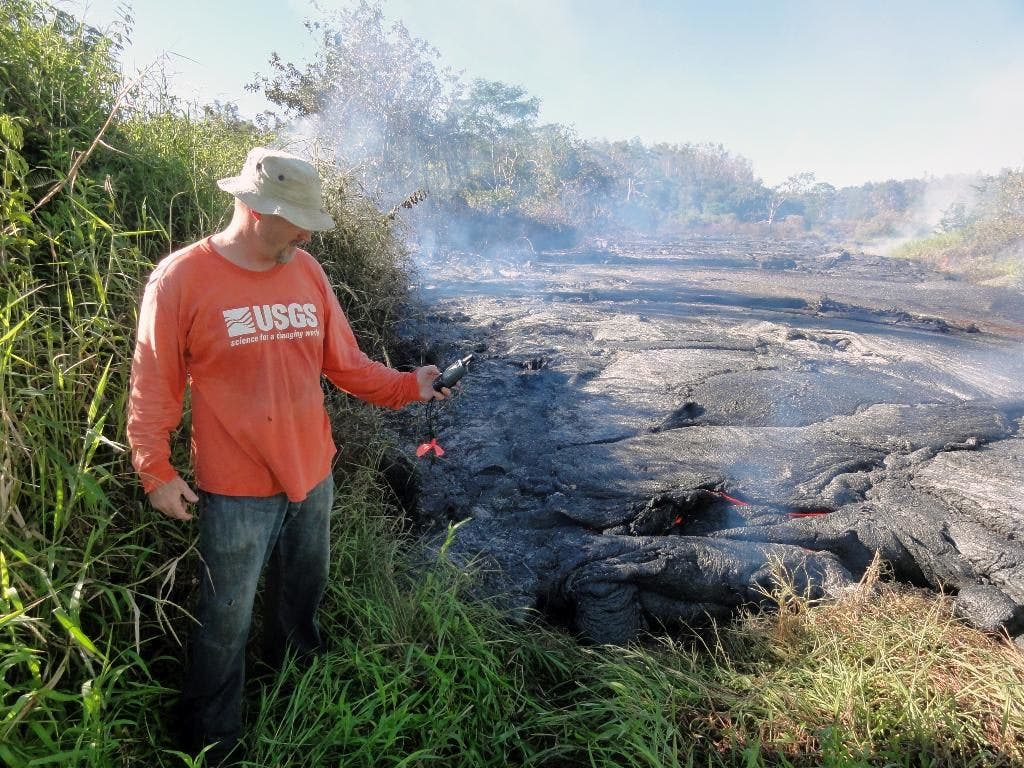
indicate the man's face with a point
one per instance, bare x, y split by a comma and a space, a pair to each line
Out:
280, 236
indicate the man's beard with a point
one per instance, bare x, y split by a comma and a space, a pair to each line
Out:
287, 254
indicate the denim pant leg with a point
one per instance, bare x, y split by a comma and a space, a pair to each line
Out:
235, 535
297, 576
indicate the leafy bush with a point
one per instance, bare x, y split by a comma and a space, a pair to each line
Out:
987, 244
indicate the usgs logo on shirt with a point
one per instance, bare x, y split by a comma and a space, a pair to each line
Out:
267, 317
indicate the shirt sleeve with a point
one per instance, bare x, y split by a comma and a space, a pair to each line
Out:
157, 384
349, 369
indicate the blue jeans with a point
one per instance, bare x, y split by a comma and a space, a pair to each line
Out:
238, 537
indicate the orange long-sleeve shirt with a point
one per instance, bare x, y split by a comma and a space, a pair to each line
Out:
251, 346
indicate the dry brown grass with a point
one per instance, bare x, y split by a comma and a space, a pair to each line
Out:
885, 670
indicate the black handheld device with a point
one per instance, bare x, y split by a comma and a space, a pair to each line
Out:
453, 373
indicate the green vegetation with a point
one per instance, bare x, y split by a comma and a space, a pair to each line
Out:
498, 178
381, 99
927, 247
985, 242
99, 181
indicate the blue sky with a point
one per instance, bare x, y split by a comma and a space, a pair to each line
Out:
853, 91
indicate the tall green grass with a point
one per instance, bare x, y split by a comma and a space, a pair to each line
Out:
100, 180
89, 606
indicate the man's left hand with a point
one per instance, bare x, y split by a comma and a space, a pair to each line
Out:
425, 376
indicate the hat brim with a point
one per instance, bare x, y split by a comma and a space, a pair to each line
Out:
313, 219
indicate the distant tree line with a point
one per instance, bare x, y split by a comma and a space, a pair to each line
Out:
382, 104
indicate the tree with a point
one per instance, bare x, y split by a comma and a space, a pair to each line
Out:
494, 123
795, 186
998, 231
374, 93
818, 201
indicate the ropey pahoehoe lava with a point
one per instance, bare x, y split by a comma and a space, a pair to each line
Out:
651, 430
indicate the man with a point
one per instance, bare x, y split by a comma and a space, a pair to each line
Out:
249, 322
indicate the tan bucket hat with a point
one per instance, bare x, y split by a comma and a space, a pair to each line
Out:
277, 182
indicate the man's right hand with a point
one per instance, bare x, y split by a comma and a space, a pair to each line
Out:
170, 498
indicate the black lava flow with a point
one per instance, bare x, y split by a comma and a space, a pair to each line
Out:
650, 431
